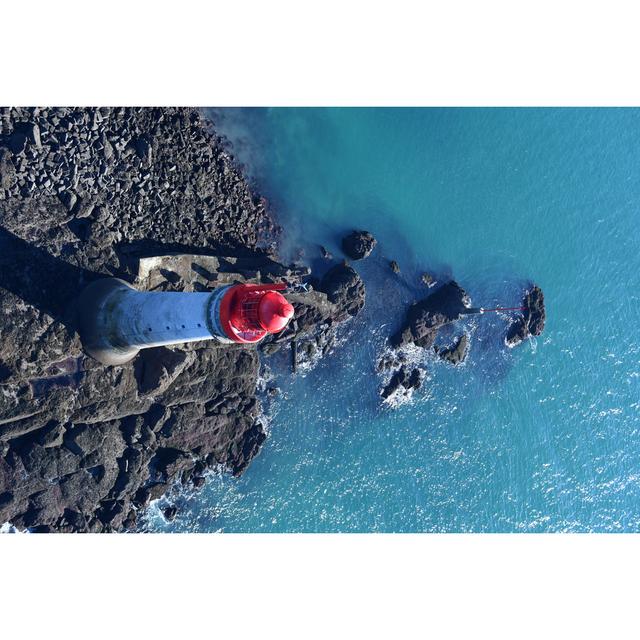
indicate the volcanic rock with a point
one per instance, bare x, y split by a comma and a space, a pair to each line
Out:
7, 170
358, 244
157, 368
68, 199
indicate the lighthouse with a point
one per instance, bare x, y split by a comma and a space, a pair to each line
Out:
115, 320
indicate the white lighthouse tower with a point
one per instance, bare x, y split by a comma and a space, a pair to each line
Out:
115, 320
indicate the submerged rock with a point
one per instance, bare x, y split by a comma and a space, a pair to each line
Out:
358, 244
531, 322
170, 513
428, 279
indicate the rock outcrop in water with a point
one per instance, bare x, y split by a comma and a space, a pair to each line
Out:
87, 193
427, 316
358, 244
531, 322
403, 382
345, 289
423, 321
456, 353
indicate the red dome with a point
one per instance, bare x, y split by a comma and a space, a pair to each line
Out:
274, 312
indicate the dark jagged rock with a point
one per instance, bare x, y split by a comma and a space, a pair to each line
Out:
456, 353
68, 199
402, 381
345, 289
325, 253
7, 170
395, 267
531, 322
423, 321
425, 318
319, 312
157, 368
358, 244
170, 513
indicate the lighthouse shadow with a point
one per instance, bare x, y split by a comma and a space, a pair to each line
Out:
43, 281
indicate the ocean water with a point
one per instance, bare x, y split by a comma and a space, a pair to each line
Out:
544, 437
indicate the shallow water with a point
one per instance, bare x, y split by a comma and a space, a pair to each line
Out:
543, 437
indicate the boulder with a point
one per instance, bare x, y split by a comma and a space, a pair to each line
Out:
358, 244
68, 199
424, 318
158, 367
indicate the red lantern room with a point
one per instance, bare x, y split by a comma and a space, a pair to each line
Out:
248, 312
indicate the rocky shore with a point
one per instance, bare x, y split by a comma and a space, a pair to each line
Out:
150, 196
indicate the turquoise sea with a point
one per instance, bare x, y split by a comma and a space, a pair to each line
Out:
544, 437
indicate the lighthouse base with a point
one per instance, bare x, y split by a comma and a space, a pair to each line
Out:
90, 308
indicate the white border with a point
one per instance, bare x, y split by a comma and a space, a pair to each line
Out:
305, 586
334, 52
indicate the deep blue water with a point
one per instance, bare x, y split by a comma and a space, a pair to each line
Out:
543, 437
